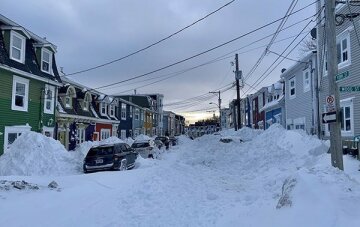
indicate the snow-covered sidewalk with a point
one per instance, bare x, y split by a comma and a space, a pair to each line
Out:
276, 178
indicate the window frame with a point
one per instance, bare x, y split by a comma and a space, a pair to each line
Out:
137, 114
50, 60
123, 111
123, 134
339, 41
86, 102
105, 132
103, 106
23, 46
52, 100
112, 110
20, 80
81, 133
306, 86
13, 129
292, 87
345, 133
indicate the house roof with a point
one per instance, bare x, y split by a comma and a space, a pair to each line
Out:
31, 64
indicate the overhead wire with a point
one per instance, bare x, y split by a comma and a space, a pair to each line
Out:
206, 51
153, 44
277, 31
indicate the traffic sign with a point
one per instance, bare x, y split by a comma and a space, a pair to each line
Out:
341, 76
349, 89
329, 117
330, 103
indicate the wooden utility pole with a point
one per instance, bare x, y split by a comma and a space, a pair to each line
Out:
335, 127
238, 77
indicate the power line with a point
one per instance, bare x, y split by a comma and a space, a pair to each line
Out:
220, 58
277, 31
151, 45
204, 52
286, 57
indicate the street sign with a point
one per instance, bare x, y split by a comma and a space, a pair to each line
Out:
349, 89
341, 76
329, 117
330, 103
238, 75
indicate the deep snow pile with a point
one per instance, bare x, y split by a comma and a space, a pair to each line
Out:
276, 178
245, 133
35, 154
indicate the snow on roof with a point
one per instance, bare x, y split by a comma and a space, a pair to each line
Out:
272, 103
60, 109
93, 111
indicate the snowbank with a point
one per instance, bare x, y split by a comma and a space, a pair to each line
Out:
35, 154
142, 137
245, 133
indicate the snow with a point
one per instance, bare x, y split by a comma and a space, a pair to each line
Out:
142, 137
35, 154
272, 103
270, 178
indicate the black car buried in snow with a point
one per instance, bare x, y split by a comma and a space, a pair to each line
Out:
118, 156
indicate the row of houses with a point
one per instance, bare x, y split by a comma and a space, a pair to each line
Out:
36, 96
298, 99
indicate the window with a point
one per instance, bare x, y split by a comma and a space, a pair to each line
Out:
104, 134
343, 49
70, 94
137, 112
112, 110
103, 109
123, 111
46, 57
123, 134
346, 118
81, 135
12, 133
87, 101
142, 115
49, 99
306, 78
20, 94
292, 85
130, 112
114, 130
301, 126
260, 101
17, 50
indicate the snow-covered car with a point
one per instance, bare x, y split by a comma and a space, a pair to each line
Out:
118, 156
158, 144
173, 140
145, 148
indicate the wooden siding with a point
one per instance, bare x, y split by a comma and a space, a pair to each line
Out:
353, 68
302, 106
35, 114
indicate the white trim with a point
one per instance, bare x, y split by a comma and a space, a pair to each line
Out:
306, 88
50, 60
103, 132
21, 80
123, 111
123, 134
112, 109
29, 75
16, 28
97, 120
103, 105
13, 129
23, 46
290, 87
52, 89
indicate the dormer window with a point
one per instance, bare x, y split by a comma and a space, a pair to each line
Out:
17, 47
87, 100
112, 110
103, 109
46, 57
70, 94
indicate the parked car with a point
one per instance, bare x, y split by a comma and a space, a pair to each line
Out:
173, 140
158, 144
146, 148
119, 156
164, 139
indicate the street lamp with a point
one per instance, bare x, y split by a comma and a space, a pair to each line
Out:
219, 113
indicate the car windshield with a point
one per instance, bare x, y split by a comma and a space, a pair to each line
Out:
100, 151
139, 145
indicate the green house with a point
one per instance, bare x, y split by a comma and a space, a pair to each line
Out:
28, 83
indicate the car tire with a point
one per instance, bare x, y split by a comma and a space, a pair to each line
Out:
123, 165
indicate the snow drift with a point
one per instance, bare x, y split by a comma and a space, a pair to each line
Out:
35, 154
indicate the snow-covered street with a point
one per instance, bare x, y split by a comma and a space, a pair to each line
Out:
268, 178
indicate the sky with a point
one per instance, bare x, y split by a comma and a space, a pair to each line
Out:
89, 33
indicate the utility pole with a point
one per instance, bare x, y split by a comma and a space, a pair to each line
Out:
335, 128
238, 77
219, 103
